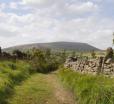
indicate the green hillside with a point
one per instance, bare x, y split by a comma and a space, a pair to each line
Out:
56, 46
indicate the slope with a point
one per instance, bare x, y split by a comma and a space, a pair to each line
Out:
56, 46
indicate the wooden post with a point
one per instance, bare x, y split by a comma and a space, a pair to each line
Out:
0, 51
100, 66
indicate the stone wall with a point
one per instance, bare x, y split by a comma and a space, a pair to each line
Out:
94, 66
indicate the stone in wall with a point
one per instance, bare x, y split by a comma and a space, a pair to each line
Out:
91, 66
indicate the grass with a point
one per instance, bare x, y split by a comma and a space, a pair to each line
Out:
89, 89
11, 74
35, 90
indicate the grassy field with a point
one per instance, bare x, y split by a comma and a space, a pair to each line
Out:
19, 86
89, 89
34, 90
41, 89
11, 74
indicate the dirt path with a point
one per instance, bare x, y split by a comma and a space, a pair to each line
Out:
41, 89
63, 95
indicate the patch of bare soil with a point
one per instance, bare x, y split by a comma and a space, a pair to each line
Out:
62, 95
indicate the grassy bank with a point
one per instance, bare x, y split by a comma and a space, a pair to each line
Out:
89, 89
11, 73
34, 90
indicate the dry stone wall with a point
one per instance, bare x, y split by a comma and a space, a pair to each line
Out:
94, 66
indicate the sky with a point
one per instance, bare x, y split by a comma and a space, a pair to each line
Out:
39, 21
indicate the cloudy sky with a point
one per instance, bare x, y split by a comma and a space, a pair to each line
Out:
34, 21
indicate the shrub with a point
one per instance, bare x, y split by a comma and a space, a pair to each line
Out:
43, 62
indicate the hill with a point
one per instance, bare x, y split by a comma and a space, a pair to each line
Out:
56, 46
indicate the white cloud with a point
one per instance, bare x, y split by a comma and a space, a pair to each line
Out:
2, 6
39, 3
61, 21
84, 7
13, 5
33, 27
62, 6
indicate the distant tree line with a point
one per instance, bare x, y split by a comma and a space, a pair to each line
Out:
16, 54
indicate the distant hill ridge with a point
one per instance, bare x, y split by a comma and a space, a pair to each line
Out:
56, 45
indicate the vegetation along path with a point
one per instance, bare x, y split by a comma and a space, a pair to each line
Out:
41, 89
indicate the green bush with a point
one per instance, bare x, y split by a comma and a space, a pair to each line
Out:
44, 67
44, 61
89, 89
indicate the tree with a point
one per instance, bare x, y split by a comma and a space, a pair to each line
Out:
109, 54
93, 54
0, 51
47, 54
113, 38
42, 62
19, 54
38, 54
63, 56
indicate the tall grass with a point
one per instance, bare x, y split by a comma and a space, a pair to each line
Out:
89, 89
10, 74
